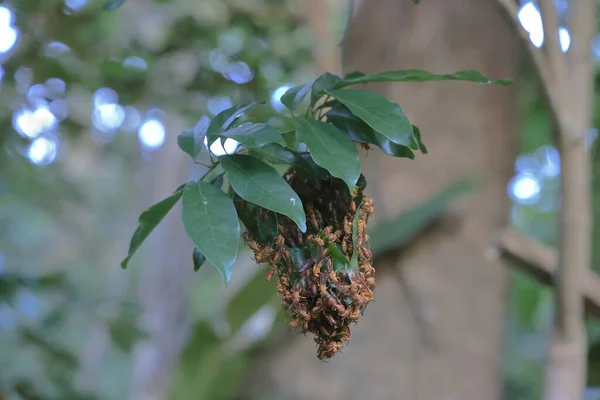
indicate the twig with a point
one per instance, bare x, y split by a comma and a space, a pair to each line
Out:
540, 261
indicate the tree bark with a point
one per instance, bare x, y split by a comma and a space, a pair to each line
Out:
469, 130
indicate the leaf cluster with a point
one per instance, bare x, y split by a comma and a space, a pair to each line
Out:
321, 144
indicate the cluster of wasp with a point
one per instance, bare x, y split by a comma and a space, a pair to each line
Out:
320, 289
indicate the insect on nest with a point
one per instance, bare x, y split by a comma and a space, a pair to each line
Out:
324, 276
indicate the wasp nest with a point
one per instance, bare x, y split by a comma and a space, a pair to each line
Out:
321, 290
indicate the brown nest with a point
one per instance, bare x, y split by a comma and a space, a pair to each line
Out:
322, 291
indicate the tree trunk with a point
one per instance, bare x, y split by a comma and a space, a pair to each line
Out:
165, 276
469, 130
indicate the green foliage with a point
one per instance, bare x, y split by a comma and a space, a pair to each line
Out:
254, 135
148, 220
192, 140
222, 121
198, 259
379, 113
294, 96
261, 184
416, 75
210, 220
328, 132
331, 149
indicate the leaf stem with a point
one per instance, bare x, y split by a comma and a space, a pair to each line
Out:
210, 169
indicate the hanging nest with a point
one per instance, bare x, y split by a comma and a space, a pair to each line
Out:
324, 276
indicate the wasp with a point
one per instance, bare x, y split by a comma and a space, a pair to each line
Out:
352, 207
279, 244
312, 217
330, 318
319, 242
307, 264
300, 312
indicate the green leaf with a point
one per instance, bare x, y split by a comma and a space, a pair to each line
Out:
324, 82
198, 258
149, 219
395, 232
294, 96
353, 75
254, 135
380, 114
113, 5
247, 213
211, 221
261, 184
223, 120
331, 149
192, 140
417, 133
218, 181
340, 261
417, 75
277, 154
358, 131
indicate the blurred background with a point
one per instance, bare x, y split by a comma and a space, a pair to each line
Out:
91, 103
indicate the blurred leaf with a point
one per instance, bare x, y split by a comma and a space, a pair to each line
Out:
211, 221
192, 140
331, 149
394, 232
124, 333
223, 120
417, 133
198, 258
205, 371
294, 96
56, 353
254, 135
148, 220
593, 377
201, 340
379, 113
113, 5
261, 184
417, 75
360, 132
324, 82
250, 299
277, 154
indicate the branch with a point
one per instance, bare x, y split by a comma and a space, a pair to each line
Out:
540, 261
511, 10
538, 57
582, 26
570, 97
558, 65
